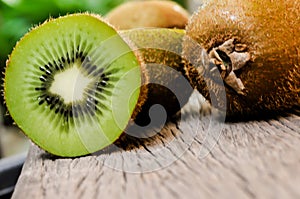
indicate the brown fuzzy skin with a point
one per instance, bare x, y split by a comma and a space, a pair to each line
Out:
163, 14
165, 79
270, 30
144, 90
161, 56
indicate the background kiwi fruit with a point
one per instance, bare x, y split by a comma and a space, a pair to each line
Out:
72, 85
254, 46
163, 14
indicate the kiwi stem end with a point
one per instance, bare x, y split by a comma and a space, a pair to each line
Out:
229, 57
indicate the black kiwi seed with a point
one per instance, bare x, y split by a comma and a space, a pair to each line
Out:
68, 58
41, 101
65, 112
78, 53
43, 78
57, 110
52, 106
82, 59
103, 83
40, 89
42, 69
49, 66
56, 66
48, 100
56, 100
70, 112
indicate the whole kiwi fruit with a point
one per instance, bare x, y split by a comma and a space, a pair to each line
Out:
162, 14
159, 50
253, 46
72, 84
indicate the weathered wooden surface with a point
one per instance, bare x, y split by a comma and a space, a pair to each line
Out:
256, 159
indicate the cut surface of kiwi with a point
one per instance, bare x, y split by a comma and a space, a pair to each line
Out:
254, 47
67, 80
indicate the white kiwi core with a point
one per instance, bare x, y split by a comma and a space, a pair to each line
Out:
70, 84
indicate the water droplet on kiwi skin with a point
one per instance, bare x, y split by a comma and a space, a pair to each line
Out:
271, 77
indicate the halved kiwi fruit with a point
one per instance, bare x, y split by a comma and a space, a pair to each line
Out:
72, 85
254, 46
162, 14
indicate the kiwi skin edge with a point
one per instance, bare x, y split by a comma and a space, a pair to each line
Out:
270, 33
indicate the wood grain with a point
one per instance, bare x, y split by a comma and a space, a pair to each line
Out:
255, 159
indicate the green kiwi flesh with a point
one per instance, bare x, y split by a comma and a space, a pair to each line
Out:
72, 85
159, 50
267, 34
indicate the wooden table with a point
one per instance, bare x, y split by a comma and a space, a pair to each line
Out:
255, 159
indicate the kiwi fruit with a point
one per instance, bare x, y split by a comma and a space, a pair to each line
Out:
253, 46
159, 50
163, 14
72, 84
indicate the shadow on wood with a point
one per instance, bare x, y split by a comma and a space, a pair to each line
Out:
254, 159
